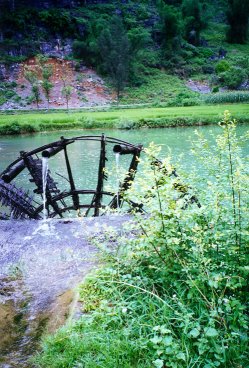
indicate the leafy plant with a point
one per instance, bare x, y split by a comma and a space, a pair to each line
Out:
222, 66
67, 93
233, 77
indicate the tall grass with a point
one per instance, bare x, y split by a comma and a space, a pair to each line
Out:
227, 97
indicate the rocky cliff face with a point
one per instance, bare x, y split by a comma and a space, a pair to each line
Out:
14, 4
40, 4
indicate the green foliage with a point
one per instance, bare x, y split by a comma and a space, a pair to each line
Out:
67, 93
31, 76
7, 92
170, 27
114, 50
193, 19
233, 77
59, 21
237, 16
226, 97
126, 124
15, 128
129, 117
222, 66
36, 93
171, 33
47, 72
174, 294
141, 57
158, 88
47, 86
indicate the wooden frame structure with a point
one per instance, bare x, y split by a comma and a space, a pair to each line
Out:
23, 206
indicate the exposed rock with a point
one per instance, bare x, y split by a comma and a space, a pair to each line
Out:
197, 86
13, 4
9, 72
55, 48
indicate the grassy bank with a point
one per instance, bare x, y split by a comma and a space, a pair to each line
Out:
120, 119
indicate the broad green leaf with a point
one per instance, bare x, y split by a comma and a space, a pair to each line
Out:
158, 363
211, 332
194, 333
165, 330
167, 340
181, 356
156, 339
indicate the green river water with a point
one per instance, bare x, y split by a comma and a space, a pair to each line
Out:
84, 155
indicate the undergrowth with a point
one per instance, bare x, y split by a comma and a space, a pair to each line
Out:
227, 97
173, 291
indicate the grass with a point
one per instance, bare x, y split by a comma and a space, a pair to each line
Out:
122, 119
227, 97
158, 87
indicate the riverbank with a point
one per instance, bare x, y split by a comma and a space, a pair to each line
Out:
40, 267
20, 122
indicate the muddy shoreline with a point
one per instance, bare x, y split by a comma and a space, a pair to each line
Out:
41, 264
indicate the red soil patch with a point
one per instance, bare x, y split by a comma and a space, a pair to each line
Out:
88, 88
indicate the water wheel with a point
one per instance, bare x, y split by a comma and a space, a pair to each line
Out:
18, 203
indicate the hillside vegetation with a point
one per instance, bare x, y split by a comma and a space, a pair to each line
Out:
160, 52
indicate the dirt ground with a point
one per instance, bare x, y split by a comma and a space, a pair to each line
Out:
88, 89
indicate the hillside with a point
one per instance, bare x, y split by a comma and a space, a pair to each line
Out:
156, 52
88, 89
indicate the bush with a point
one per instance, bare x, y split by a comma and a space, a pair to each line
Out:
222, 66
127, 124
208, 69
233, 77
215, 89
17, 128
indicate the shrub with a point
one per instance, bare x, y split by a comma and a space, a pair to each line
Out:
127, 124
215, 89
222, 66
17, 128
233, 77
208, 69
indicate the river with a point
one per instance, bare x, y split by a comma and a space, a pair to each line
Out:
176, 140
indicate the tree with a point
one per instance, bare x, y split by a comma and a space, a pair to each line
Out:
193, 19
36, 93
47, 86
67, 93
32, 78
42, 71
46, 71
237, 17
170, 26
141, 54
114, 50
